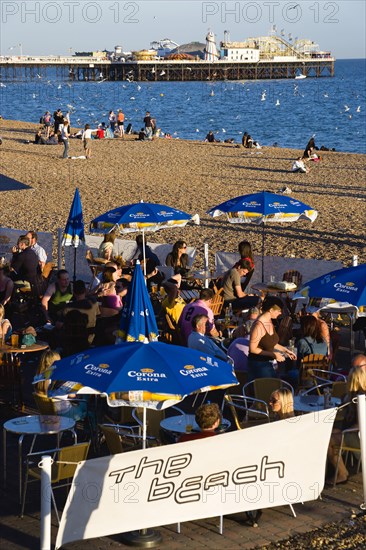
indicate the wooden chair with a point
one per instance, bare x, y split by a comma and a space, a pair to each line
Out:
65, 461
310, 362
172, 331
217, 303
45, 405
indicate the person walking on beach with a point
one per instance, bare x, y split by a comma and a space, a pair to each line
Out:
86, 138
112, 121
64, 128
148, 126
120, 123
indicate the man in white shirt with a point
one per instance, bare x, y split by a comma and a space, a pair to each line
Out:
41, 253
199, 341
299, 166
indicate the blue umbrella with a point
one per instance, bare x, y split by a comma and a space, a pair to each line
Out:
138, 321
261, 208
74, 230
153, 375
141, 216
343, 285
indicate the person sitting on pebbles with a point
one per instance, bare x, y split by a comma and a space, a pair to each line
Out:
299, 166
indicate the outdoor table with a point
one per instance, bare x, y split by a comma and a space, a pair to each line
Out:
10, 353
311, 403
178, 424
34, 425
265, 288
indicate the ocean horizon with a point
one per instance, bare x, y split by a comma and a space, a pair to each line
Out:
283, 112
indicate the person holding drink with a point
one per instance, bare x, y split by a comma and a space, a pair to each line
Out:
264, 350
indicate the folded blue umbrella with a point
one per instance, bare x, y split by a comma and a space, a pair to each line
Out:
138, 321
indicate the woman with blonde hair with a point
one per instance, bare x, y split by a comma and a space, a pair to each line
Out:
105, 250
282, 403
5, 325
48, 358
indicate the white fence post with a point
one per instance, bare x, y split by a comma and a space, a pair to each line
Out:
45, 466
354, 260
361, 406
206, 266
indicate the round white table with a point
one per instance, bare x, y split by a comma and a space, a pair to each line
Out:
311, 403
34, 425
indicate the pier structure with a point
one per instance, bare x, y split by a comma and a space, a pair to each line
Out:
90, 69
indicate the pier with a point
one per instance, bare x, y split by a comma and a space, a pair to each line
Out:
95, 69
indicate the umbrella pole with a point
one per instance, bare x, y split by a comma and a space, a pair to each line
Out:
74, 277
144, 428
262, 252
143, 251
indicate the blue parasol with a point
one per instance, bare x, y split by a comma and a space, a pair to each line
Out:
138, 321
74, 230
141, 216
261, 208
153, 375
343, 285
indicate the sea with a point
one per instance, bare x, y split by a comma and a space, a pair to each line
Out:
285, 113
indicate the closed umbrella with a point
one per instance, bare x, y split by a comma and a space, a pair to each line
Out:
262, 208
74, 230
138, 323
141, 216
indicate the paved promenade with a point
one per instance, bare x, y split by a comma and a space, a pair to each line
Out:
274, 525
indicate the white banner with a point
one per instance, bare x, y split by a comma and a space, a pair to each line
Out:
260, 467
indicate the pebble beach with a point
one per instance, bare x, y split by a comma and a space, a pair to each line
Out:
192, 176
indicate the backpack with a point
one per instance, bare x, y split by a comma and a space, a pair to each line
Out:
41, 120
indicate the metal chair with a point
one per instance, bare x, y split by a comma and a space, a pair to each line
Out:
347, 448
121, 438
246, 411
262, 388
65, 461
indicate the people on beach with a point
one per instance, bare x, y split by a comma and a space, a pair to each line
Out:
86, 138
310, 147
112, 121
210, 138
178, 258
121, 123
208, 418
148, 126
299, 166
64, 129
105, 249
233, 292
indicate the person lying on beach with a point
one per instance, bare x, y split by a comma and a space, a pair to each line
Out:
299, 166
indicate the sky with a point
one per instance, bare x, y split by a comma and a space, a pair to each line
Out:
47, 27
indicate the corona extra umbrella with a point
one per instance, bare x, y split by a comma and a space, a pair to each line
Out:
262, 208
347, 285
74, 230
141, 216
153, 375
138, 321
